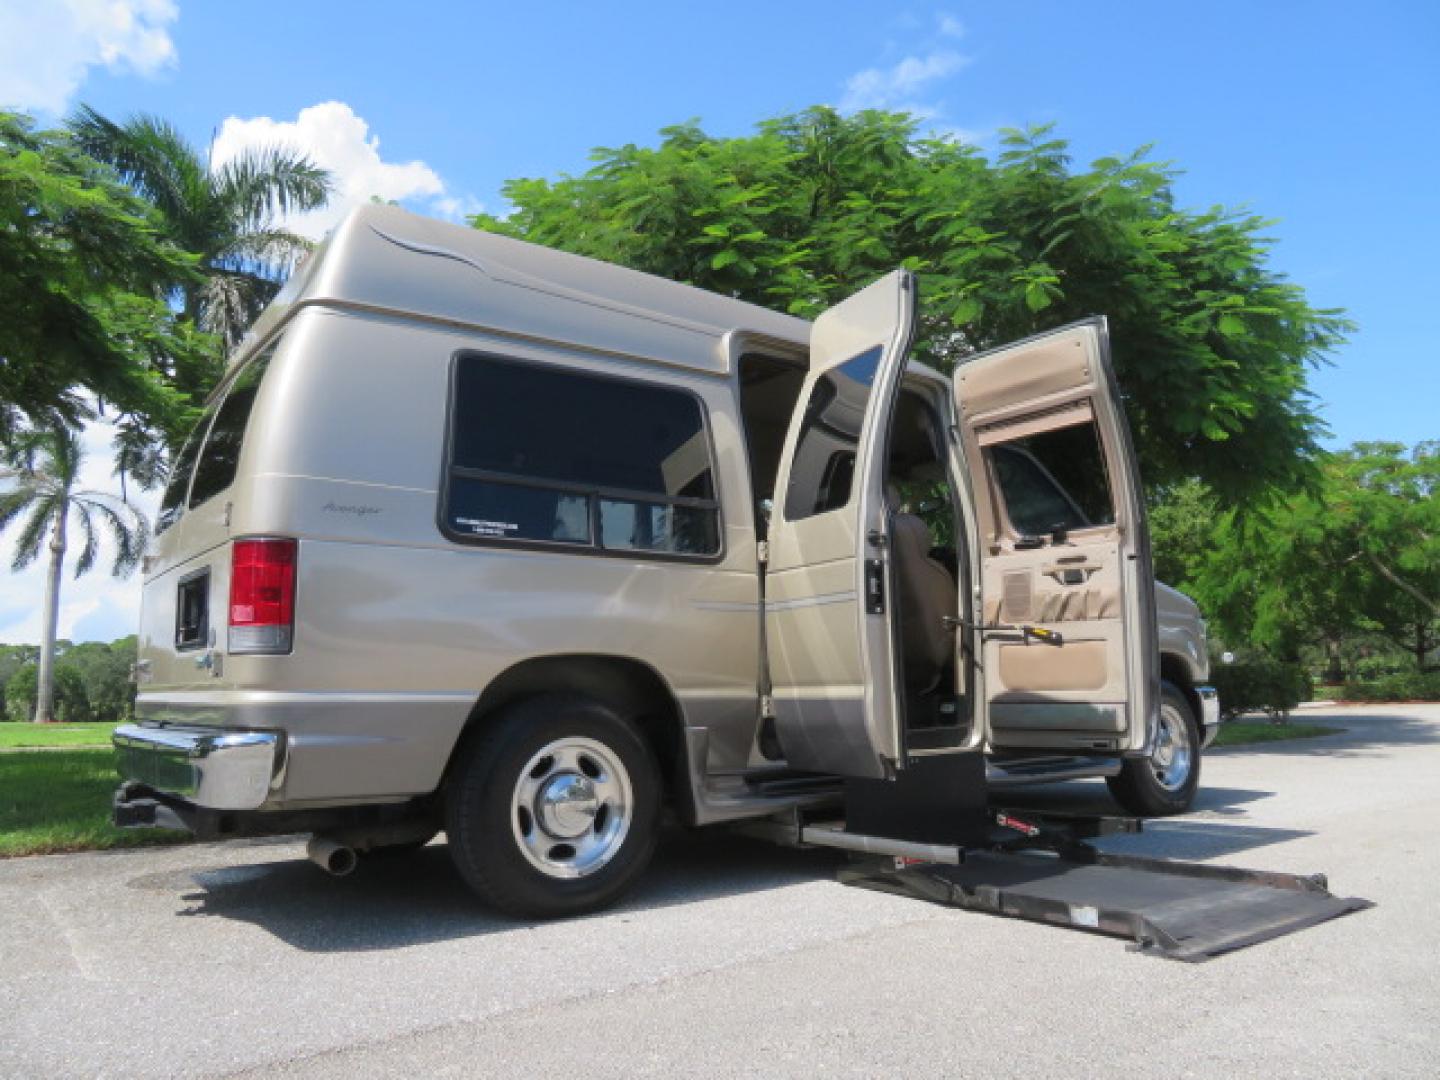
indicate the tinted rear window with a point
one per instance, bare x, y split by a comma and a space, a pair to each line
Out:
215, 470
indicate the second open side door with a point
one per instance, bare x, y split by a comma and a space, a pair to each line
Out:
1061, 545
827, 612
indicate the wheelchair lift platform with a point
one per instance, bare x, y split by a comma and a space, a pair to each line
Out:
933, 842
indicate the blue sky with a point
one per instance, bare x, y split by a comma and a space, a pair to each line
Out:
1319, 115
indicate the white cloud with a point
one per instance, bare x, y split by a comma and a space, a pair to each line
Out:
335, 138
949, 26
96, 607
897, 86
47, 47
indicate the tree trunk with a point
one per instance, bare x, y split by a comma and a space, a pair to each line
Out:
45, 683
1334, 672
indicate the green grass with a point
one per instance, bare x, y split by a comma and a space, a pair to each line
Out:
60, 801
1243, 733
13, 736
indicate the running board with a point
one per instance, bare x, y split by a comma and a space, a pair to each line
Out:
1037, 868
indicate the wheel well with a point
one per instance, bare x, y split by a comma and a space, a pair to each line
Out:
1174, 670
630, 687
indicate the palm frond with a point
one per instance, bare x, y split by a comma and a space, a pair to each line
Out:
268, 182
151, 156
230, 301
267, 253
33, 533
127, 526
14, 502
91, 546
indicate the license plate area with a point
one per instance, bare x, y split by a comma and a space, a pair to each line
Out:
192, 611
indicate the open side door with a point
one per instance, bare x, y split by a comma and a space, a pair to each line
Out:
827, 592
1062, 546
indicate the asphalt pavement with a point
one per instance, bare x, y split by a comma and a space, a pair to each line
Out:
738, 959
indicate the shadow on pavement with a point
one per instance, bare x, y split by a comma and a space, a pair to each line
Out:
393, 903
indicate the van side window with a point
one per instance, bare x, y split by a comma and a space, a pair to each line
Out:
221, 454
173, 501
547, 455
824, 467
215, 470
1054, 478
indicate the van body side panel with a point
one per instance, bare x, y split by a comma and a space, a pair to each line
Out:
399, 630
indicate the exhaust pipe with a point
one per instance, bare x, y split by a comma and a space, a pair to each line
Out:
334, 858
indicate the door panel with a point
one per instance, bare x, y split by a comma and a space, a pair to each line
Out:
831, 654
1062, 546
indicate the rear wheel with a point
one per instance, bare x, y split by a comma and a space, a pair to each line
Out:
553, 809
1166, 781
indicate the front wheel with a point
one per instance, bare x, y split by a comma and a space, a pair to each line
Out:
1166, 781
553, 810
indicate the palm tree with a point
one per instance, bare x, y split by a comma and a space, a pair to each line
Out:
228, 216
40, 470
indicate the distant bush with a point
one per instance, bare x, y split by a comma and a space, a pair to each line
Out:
1269, 686
1407, 686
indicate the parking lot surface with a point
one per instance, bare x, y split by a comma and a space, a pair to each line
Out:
738, 959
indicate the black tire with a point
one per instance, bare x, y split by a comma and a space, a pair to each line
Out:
526, 871
1139, 787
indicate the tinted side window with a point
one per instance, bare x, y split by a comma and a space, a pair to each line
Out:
172, 503
823, 469
1054, 478
215, 470
556, 456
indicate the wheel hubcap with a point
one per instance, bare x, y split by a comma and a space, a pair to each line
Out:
1172, 756
572, 807
568, 805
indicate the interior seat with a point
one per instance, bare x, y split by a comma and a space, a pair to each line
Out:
927, 596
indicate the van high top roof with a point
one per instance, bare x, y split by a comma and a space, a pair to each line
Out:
383, 259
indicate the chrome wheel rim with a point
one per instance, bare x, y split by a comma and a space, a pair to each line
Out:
1173, 753
572, 807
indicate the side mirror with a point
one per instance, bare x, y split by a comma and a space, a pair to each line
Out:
1059, 533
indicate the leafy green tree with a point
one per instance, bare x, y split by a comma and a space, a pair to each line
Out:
105, 671
228, 216
1387, 498
71, 703
1182, 525
80, 261
1211, 345
1356, 553
42, 470
1283, 577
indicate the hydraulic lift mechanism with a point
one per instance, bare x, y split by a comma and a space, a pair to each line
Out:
934, 835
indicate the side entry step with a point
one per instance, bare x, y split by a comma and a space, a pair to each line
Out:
1179, 910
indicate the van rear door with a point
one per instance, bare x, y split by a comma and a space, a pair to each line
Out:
827, 603
184, 598
1062, 545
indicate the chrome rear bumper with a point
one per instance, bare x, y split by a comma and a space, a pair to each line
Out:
208, 767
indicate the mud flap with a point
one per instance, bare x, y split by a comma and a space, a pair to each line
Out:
1182, 911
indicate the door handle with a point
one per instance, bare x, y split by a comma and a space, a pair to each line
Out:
1027, 632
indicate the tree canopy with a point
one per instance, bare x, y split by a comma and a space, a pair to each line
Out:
82, 261
1357, 553
229, 216
1211, 345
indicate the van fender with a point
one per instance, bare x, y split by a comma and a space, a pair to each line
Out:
630, 686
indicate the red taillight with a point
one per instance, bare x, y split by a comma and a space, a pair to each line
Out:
262, 596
